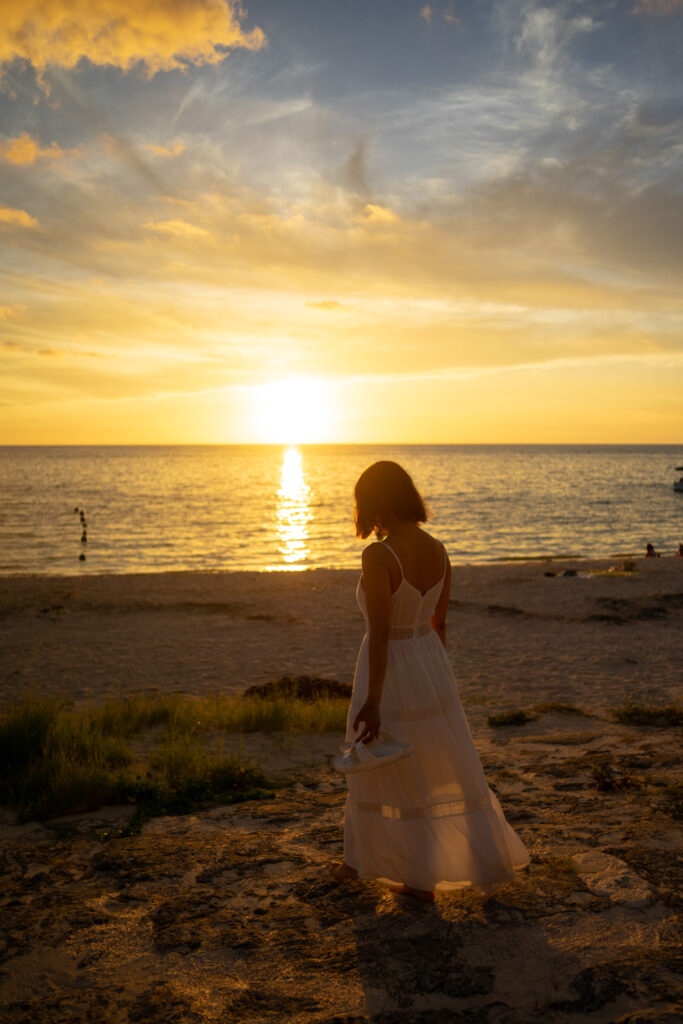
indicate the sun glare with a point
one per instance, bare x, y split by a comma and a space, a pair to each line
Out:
293, 411
293, 511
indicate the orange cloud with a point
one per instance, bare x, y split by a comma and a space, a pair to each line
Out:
122, 32
327, 304
173, 150
380, 214
451, 18
9, 311
658, 7
24, 150
9, 215
427, 13
178, 228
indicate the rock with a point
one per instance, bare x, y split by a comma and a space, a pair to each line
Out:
580, 899
596, 986
612, 878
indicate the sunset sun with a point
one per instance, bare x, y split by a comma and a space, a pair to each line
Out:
296, 411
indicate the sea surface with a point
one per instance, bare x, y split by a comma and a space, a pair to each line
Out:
151, 509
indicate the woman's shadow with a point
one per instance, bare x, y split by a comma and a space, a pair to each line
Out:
464, 957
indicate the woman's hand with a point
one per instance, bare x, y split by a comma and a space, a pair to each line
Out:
369, 716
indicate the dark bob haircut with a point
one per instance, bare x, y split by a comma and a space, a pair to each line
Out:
384, 492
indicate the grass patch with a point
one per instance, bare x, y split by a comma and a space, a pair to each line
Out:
641, 714
521, 717
58, 760
607, 780
555, 708
559, 865
511, 718
308, 688
193, 716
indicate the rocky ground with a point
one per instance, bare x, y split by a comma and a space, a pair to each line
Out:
229, 915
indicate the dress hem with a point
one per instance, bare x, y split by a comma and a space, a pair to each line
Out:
443, 885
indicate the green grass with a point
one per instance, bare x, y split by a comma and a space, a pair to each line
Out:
521, 717
642, 714
59, 760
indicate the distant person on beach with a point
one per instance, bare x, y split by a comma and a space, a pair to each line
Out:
650, 552
429, 820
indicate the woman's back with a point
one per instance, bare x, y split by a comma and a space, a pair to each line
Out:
421, 560
415, 591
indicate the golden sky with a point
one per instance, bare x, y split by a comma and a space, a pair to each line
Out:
390, 222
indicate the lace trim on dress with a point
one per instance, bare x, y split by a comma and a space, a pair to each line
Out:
408, 632
443, 810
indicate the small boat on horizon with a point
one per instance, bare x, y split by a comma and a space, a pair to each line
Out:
678, 484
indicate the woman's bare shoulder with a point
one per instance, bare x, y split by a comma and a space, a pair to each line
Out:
374, 554
433, 541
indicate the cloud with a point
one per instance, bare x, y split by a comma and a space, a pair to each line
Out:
354, 171
546, 33
177, 228
25, 150
175, 150
327, 304
375, 214
427, 14
450, 17
9, 215
122, 33
58, 353
9, 311
658, 7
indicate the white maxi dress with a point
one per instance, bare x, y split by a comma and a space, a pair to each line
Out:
429, 821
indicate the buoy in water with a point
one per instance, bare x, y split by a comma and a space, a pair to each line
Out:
81, 558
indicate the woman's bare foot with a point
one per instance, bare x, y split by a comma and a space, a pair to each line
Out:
342, 872
423, 895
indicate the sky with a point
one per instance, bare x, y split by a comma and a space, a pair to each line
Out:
321, 221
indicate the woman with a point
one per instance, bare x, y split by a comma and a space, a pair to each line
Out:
428, 821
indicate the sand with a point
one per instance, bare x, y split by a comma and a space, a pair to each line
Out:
228, 914
514, 633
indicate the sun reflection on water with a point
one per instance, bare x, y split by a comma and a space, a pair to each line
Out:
293, 511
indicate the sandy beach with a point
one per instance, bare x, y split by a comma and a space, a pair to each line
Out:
228, 913
515, 634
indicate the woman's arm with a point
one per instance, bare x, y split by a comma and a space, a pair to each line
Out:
441, 610
377, 583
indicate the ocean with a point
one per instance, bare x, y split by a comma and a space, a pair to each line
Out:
266, 508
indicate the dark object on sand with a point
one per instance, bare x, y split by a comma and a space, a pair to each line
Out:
81, 558
548, 573
510, 718
301, 687
570, 572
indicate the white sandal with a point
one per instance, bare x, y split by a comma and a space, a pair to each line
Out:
363, 757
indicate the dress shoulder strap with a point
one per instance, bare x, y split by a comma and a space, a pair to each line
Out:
388, 545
